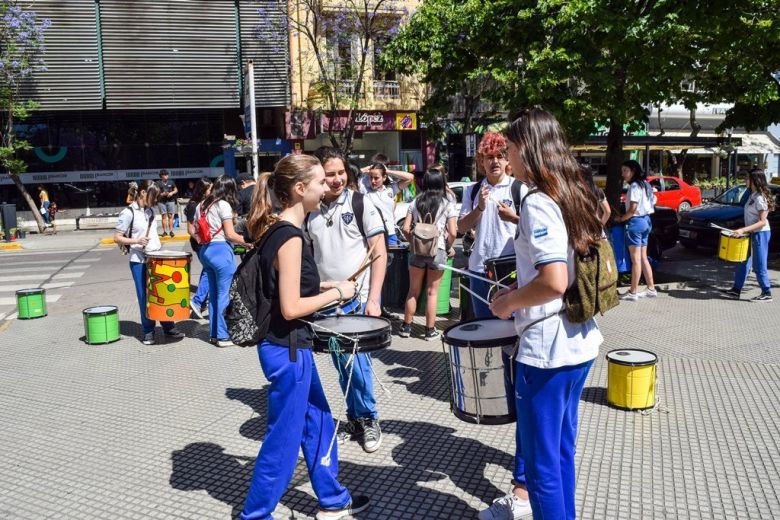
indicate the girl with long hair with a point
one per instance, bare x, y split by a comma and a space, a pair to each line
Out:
137, 228
216, 254
756, 212
431, 206
381, 190
640, 204
200, 190
558, 220
298, 412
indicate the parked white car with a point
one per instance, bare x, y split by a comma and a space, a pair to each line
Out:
459, 188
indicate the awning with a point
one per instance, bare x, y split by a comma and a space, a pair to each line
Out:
757, 143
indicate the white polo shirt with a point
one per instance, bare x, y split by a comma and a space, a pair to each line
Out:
637, 193
384, 201
339, 248
755, 204
218, 212
493, 237
554, 342
141, 219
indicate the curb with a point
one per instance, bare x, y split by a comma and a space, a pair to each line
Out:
176, 238
11, 247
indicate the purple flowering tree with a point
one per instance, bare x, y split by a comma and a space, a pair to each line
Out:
340, 37
21, 54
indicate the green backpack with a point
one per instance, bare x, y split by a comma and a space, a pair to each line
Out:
595, 286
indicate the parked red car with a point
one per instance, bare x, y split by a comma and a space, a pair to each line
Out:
673, 192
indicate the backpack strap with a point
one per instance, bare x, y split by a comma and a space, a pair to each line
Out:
517, 188
357, 207
205, 214
129, 232
475, 189
530, 192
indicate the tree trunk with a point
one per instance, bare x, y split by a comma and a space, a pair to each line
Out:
30, 202
614, 162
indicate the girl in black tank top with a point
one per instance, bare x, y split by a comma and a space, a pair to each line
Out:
298, 412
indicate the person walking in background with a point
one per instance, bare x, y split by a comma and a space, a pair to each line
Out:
640, 204
43, 197
216, 254
299, 417
200, 191
756, 213
434, 207
167, 202
379, 189
558, 219
605, 211
137, 228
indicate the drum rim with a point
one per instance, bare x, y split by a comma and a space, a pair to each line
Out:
31, 291
114, 308
168, 254
388, 325
496, 258
632, 363
477, 343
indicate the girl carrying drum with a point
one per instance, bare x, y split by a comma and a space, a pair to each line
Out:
298, 412
757, 209
559, 217
137, 228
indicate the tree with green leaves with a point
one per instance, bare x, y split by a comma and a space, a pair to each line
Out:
596, 62
21, 54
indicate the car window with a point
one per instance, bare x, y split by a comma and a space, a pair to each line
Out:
736, 196
656, 184
671, 184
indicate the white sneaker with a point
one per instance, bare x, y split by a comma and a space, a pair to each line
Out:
630, 296
650, 293
509, 507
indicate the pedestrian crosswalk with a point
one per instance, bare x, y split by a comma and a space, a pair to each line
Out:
38, 270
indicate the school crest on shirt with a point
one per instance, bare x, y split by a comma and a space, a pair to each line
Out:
347, 218
507, 202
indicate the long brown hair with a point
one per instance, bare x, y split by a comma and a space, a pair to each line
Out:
553, 170
758, 184
289, 171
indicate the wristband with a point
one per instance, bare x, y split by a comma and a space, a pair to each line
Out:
480, 209
341, 295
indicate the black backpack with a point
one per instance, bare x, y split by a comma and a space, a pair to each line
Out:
248, 313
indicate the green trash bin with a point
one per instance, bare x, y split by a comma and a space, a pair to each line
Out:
101, 324
443, 298
31, 303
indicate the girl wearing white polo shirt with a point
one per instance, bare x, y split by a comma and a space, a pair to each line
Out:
378, 187
558, 218
640, 203
757, 209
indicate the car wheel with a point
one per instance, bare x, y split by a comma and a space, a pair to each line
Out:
687, 244
684, 206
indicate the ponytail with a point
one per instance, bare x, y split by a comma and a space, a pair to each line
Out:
151, 188
261, 213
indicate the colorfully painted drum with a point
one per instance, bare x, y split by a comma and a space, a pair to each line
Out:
101, 324
371, 333
733, 249
31, 303
479, 392
168, 285
631, 379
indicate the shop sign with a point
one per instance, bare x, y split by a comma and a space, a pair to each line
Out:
368, 119
112, 175
405, 121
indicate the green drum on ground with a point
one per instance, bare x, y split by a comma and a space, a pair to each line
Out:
101, 324
443, 297
31, 303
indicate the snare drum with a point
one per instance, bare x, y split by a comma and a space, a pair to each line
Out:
502, 269
370, 332
31, 303
733, 249
101, 325
168, 285
479, 390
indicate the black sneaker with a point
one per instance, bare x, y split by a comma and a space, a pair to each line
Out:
148, 339
372, 435
763, 297
173, 334
431, 334
352, 431
359, 503
405, 330
171, 234
731, 293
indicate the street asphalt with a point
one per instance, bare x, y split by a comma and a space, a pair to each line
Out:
171, 431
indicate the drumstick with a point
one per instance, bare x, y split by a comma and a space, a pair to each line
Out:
362, 268
366, 261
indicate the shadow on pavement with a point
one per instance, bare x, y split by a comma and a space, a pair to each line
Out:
429, 369
595, 395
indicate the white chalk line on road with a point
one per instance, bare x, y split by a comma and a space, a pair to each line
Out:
15, 254
40, 276
47, 286
39, 269
50, 298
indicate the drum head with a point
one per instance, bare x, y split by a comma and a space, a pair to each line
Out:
488, 332
632, 357
105, 309
349, 325
23, 292
163, 254
371, 333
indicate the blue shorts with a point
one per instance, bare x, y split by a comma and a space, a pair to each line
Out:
638, 231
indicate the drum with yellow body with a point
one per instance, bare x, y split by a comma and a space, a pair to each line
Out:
631, 379
168, 285
733, 249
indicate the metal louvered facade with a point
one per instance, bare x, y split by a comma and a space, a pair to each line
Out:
264, 39
72, 80
174, 54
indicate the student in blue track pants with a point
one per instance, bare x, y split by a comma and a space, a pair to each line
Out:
201, 190
558, 219
298, 412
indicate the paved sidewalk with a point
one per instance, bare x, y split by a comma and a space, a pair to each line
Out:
171, 431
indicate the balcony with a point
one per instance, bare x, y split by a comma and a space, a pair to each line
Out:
387, 90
